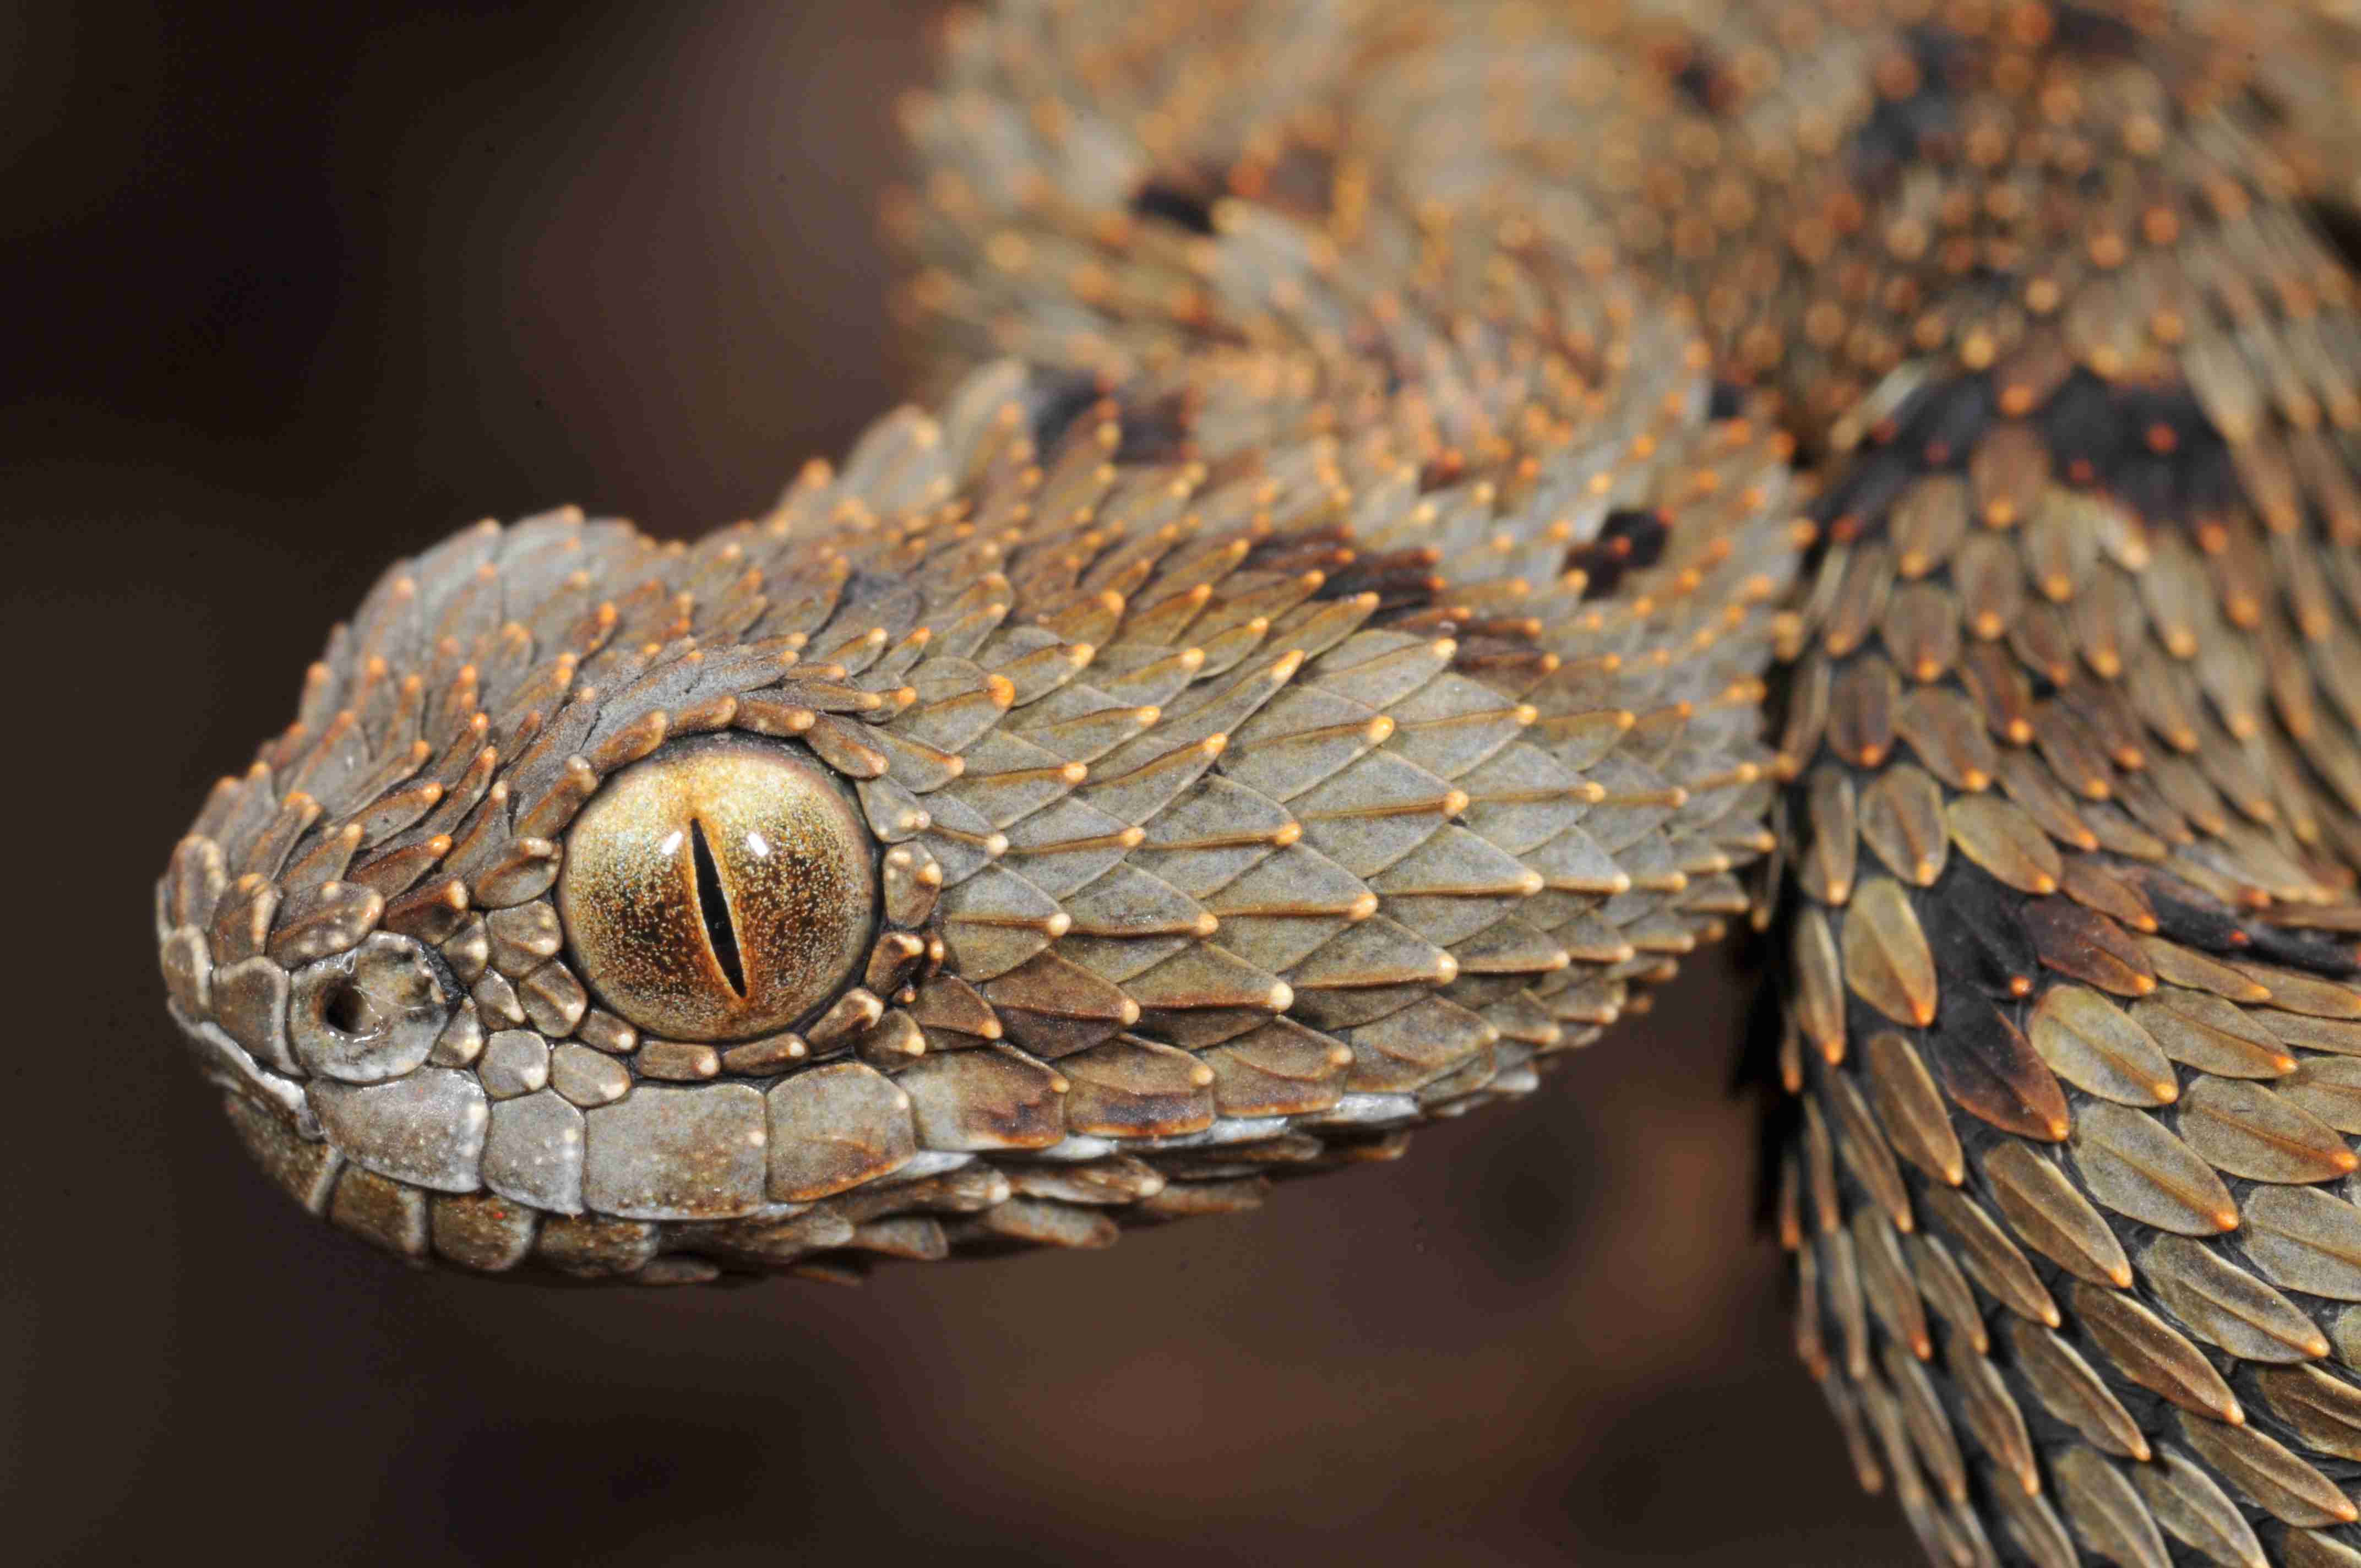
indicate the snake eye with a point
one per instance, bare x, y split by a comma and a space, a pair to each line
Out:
717, 891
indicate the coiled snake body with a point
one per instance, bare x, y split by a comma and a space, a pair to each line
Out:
1421, 497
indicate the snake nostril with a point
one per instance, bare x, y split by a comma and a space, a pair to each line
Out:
349, 1010
368, 1014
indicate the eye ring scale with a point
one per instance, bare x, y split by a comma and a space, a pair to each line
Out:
720, 890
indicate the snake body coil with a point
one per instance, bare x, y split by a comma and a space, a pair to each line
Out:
1420, 497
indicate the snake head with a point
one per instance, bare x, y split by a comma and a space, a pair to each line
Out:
718, 909
584, 935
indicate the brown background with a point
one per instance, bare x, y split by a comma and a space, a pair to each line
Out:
280, 304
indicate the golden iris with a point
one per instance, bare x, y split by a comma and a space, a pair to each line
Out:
718, 890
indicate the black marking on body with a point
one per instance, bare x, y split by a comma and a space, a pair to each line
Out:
2150, 447
1170, 201
1402, 579
1149, 430
1699, 78
1975, 928
2340, 225
1628, 541
1900, 131
1058, 398
2091, 32
2196, 920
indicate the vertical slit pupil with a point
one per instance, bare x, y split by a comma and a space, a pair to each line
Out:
719, 931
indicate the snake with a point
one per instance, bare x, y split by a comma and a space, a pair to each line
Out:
1420, 517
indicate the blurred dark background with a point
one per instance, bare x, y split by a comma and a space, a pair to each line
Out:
284, 298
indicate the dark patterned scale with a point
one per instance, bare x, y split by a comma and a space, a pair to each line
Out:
1339, 635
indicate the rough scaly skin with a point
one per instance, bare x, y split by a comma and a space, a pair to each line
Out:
1318, 660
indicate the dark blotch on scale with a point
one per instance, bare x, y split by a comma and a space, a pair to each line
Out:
1975, 928
2192, 919
2299, 950
1155, 431
1057, 400
1628, 541
2092, 32
1859, 503
2341, 227
2151, 447
1987, 1065
1402, 579
1698, 77
1149, 432
1934, 430
2196, 920
1940, 425
2079, 424
1173, 204
1898, 129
